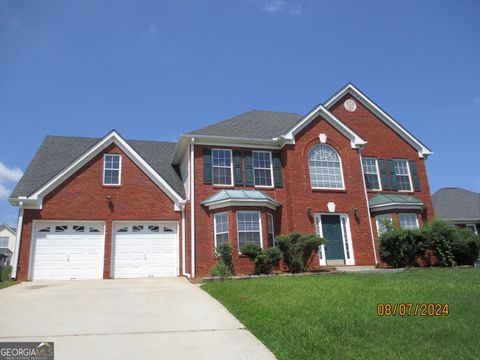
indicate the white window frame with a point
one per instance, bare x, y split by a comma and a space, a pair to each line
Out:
271, 168
271, 223
409, 175
223, 167
406, 213
4, 238
379, 219
378, 173
119, 169
319, 230
215, 233
470, 226
341, 170
259, 225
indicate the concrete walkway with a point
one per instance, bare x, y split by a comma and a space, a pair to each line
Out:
125, 319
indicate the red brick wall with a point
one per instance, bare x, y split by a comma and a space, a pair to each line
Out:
83, 197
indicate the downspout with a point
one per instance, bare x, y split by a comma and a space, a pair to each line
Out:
184, 237
17, 240
192, 206
368, 207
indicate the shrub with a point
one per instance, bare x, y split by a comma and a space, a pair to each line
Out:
439, 237
6, 272
465, 246
298, 250
264, 260
400, 248
224, 266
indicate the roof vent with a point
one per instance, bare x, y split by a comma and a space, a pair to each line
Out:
350, 105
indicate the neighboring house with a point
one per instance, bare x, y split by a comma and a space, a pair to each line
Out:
112, 208
458, 206
8, 237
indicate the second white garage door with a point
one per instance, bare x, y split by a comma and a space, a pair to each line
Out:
143, 250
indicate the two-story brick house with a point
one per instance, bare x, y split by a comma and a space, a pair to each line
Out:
110, 208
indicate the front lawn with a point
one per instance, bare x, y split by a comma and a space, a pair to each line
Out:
5, 284
335, 316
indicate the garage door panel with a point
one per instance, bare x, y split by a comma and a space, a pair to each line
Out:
68, 250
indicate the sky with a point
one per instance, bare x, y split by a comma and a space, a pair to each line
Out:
155, 69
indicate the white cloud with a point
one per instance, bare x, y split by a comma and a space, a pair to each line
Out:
8, 175
279, 6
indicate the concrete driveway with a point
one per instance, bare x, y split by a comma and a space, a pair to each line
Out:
125, 319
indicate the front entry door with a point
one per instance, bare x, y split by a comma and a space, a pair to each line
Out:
332, 233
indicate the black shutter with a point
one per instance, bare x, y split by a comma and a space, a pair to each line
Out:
207, 166
237, 168
277, 170
414, 173
383, 174
393, 176
248, 168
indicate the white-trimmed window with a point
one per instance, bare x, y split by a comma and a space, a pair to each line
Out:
221, 228
382, 222
402, 174
370, 171
262, 168
249, 228
271, 231
222, 169
408, 220
325, 168
112, 169
3, 241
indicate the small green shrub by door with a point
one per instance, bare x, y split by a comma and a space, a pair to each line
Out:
298, 250
224, 266
450, 245
264, 260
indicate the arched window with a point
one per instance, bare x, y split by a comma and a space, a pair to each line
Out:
325, 168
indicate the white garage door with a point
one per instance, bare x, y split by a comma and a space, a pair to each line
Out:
145, 250
68, 250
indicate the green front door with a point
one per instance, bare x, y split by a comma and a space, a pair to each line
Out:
332, 233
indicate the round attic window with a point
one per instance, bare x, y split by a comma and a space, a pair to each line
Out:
350, 105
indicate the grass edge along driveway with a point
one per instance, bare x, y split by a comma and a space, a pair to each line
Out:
335, 316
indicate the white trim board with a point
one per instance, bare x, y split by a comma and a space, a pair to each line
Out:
36, 199
423, 151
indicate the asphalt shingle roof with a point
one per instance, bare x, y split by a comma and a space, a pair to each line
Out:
57, 152
256, 124
456, 203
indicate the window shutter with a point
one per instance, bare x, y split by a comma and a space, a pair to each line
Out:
248, 168
414, 173
383, 174
393, 177
207, 166
277, 169
237, 168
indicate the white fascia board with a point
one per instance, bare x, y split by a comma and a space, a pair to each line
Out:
423, 151
232, 202
112, 137
355, 140
396, 206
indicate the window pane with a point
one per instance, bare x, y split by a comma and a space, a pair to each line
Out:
248, 237
408, 221
262, 168
325, 168
222, 167
222, 176
371, 175
3, 242
382, 221
222, 238
248, 225
402, 174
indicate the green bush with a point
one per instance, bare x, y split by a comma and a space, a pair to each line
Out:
298, 250
224, 266
6, 273
264, 260
400, 248
439, 237
465, 246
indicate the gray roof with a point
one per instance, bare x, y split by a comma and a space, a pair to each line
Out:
456, 204
257, 124
57, 152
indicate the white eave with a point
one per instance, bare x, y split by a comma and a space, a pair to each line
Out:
35, 201
423, 151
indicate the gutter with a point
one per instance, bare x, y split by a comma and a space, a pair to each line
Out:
192, 206
17, 241
184, 273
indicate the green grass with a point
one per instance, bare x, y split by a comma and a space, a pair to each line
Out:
335, 316
5, 284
